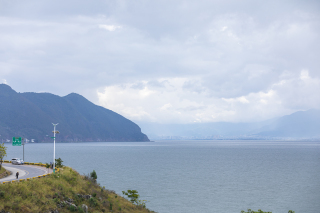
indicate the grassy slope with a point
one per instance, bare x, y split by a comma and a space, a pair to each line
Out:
2, 170
40, 195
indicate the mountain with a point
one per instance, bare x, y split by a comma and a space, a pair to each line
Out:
31, 115
301, 124
298, 124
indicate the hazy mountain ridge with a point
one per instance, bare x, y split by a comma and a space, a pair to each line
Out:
301, 124
298, 124
31, 115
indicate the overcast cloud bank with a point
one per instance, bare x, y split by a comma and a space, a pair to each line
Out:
167, 61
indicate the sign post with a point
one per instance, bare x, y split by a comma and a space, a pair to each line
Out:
16, 141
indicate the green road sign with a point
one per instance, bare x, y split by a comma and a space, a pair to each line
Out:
16, 141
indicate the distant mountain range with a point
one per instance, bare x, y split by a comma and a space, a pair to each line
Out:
30, 115
299, 125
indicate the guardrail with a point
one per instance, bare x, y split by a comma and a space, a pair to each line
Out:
28, 179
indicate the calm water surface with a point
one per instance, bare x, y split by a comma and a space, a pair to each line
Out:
199, 176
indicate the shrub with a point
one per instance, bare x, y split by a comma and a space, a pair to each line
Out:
72, 208
251, 211
2, 193
93, 202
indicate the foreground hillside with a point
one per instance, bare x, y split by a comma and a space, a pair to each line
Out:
66, 191
30, 115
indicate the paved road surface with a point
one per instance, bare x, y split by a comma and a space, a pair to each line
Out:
25, 171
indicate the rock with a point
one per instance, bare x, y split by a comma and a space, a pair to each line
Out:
74, 205
87, 196
84, 196
70, 200
70, 204
53, 211
61, 204
84, 208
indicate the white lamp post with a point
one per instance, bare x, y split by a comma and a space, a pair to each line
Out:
54, 145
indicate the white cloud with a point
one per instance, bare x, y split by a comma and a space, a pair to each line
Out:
186, 106
166, 107
4, 81
109, 27
304, 75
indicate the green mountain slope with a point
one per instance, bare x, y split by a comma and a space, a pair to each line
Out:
31, 115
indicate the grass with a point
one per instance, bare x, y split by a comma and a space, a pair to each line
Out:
2, 170
44, 194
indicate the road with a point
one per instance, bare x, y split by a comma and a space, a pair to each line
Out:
25, 171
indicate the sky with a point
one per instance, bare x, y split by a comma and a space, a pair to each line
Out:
192, 61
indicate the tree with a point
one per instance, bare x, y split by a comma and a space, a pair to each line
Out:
59, 163
133, 196
3, 153
93, 175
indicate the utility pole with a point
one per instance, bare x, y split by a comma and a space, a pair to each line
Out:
54, 145
23, 147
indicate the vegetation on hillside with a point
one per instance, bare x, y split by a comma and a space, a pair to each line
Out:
65, 191
260, 211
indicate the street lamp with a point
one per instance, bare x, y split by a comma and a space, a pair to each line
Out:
54, 145
23, 147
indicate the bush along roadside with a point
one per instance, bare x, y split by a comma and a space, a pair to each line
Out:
64, 191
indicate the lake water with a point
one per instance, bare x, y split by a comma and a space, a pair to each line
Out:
199, 176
